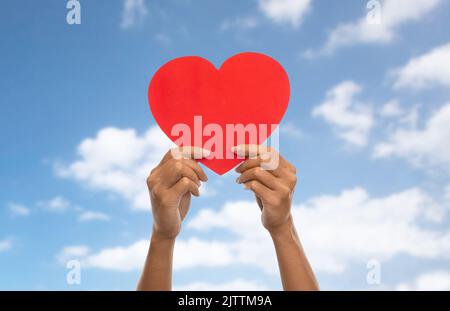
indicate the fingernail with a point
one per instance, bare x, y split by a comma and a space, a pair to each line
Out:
239, 150
206, 153
238, 180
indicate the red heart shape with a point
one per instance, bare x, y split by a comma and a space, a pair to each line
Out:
249, 88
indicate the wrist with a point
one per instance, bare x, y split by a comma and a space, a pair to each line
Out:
284, 230
158, 237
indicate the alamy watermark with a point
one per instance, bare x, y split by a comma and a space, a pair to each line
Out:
221, 141
374, 12
373, 276
73, 276
73, 16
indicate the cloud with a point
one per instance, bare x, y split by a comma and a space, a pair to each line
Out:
391, 109
386, 227
394, 14
133, 13
289, 12
425, 147
430, 69
5, 245
118, 161
235, 285
86, 216
337, 231
57, 204
18, 210
72, 252
352, 120
430, 281
189, 253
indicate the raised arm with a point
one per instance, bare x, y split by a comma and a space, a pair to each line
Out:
273, 180
171, 185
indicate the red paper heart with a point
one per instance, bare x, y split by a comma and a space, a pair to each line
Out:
249, 88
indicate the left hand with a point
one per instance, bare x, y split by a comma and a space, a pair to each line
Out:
273, 188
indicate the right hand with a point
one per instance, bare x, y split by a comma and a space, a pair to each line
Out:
171, 185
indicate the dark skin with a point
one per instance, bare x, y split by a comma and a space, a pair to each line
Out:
176, 179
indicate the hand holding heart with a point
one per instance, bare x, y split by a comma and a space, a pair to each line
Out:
241, 104
196, 104
178, 176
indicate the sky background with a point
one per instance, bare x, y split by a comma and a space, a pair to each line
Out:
368, 128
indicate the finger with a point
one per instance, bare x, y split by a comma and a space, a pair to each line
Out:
173, 170
256, 173
187, 152
197, 168
250, 151
272, 157
258, 162
185, 185
258, 188
266, 157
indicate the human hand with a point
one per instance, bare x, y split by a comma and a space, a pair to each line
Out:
171, 184
273, 187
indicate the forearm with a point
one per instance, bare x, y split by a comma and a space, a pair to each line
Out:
295, 270
157, 274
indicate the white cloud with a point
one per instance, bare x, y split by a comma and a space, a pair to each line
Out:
5, 245
394, 13
118, 161
57, 204
194, 252
425, 147
391, 109
127, 258
285, 11
430, 281
93, 216
362, 227
397, 115
188, 253
447, 194
432, 68
72, 252
351, 119
235, 285
133, 13
18, 210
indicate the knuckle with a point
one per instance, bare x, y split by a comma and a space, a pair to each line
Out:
151, 181
285, 191
178, 166
155, 192
185, 181
293, 169
294, 180
257, 172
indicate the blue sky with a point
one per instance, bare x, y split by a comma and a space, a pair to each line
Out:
368, 127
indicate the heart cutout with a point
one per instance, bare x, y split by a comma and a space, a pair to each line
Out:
248, 89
